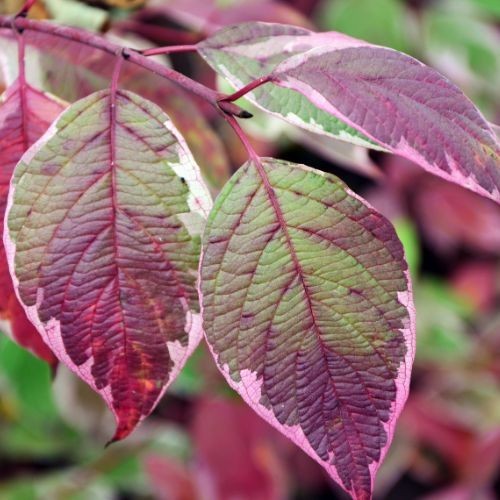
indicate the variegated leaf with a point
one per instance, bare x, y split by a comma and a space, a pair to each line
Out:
103, 238
307, 308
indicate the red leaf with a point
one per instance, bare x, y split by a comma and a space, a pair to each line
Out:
25, 114
452, 217
170, 479
476, 282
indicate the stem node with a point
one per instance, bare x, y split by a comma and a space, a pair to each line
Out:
232, 109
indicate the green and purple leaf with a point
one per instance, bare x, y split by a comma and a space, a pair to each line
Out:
390, 98
103, 239
308, 310
25, 114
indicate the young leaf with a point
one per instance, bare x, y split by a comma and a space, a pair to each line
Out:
103, 238
307, 308
394, 100
25, 114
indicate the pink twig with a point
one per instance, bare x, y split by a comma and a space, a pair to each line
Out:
26, 8
21, 78
168, 50
243, 138
247, 88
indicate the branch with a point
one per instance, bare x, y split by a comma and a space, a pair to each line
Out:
159, 34
86, 38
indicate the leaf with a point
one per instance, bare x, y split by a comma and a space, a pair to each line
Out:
103, 238
169, 478
246, 52
308, 311
496, 130
78, 14
25, 114
398, 102
466, 49
344, 154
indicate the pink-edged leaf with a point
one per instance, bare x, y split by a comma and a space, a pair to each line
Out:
388, 97
25, 114
307, 307
103, 238
496, 129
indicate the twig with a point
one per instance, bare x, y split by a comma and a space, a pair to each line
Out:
167, 50
243, 138
91, 40
247, 88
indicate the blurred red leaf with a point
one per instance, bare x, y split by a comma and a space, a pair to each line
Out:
432, 425
476, 282
452, 217
234, 447
25, 114
170, 479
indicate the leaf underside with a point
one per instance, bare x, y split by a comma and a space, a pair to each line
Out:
25, 114
103, 238
307, 308
392, 99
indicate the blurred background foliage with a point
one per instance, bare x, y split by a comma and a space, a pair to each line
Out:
202, 442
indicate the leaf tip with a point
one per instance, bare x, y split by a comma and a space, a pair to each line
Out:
123, 429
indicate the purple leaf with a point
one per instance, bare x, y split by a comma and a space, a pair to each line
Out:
404, 106
307, 308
